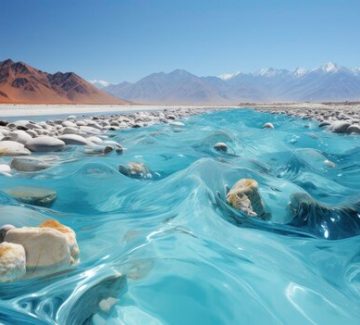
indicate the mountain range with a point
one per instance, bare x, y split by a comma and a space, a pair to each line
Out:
22, 84
329, 82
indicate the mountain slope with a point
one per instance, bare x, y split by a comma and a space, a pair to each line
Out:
327, 83
21, 83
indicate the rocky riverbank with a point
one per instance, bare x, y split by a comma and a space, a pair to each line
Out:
337, 117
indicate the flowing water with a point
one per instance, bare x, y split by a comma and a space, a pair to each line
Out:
188, 257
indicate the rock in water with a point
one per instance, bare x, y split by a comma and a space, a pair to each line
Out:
68, 232
135, 170
18, 136
28, 164
12, 261
245, 196
45, 143
47, 249
32, 195
324, 221
12, 148
339, 126
221, 146
268, 125
73, 139
5, 170
86, 303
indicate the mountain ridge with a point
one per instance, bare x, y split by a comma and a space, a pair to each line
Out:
21, 83
329, 82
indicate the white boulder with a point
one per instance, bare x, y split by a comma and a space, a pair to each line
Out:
45, 143
74, 139
12, 261
12, 148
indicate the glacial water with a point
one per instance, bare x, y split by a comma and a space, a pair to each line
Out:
187, 256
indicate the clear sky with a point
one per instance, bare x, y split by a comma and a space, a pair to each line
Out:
118, 40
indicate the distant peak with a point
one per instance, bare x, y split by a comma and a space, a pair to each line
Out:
228, 76
99, 83
330, 67
270, 72
299, 72
180, 72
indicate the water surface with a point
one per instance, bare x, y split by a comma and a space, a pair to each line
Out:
188, 257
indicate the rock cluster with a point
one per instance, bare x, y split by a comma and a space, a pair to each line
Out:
45, 249
336, 118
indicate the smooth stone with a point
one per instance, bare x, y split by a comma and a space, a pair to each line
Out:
98, 150
12, 148
339, 126
5, 170
221, 146
44, 247
73, 139
45, 143
325, 123
70, 130
268, 125
19, 136
89, 130
28, 164
353, 129
3, 230
245, 196
94, 139
68, 124
70, 236
135, 170
329, 163
12, 261
32, 195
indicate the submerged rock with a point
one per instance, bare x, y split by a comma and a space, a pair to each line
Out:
5, 170
268, 125
12, 148
325, 221
32, 195
12, 262
245, 196
27, 164
221, 146
135, 170
98, 149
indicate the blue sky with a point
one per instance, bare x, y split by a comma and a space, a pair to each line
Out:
118, 40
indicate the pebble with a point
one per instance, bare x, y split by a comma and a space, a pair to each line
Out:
135, 170
268, 125
45, 143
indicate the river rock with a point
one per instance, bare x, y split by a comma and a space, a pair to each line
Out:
45, 143
245, 196
27, 164
18, 136
45, 248
135, 170
339, 126
221, 146
73, 139
268, 125
70, 236
5, 170
353, 129
98, 150
32, 195
12, 148
12, 261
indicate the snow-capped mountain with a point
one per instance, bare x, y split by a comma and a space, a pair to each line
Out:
100, 83
329, 82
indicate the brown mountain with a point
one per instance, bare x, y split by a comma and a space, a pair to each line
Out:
23, 84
